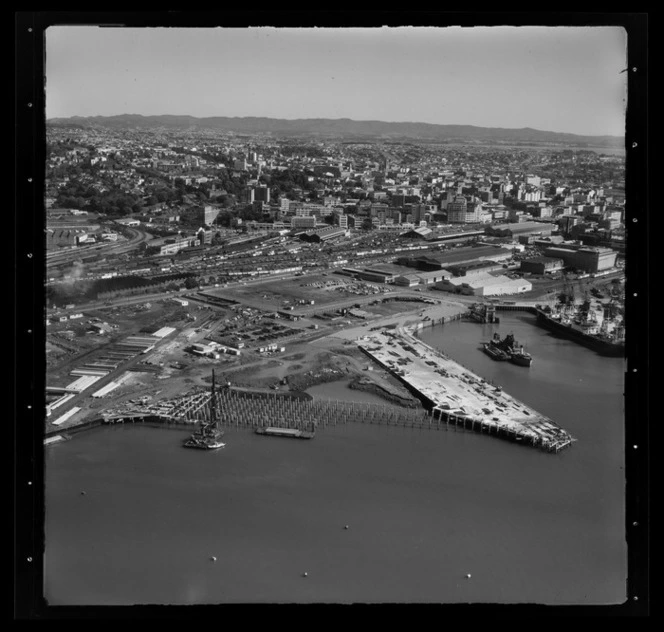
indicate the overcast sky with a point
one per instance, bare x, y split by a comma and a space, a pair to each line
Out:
564, 79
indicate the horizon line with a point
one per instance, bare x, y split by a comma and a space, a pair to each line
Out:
78, 116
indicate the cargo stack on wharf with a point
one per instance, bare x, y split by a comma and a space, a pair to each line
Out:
455, 396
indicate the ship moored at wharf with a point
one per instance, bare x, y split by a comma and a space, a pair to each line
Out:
577, 326
454, 395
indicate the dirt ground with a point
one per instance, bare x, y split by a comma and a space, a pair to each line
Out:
277, 295
313, 356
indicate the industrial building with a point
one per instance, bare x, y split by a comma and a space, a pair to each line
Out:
521, 228
422, 278
374, 276
62, 237
418, 233
457, 256
382, 274
542, 265
584, 258
323, 234
486, 284
474, 268
407, 280
171, 245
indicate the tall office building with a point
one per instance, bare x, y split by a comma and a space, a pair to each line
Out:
260, 194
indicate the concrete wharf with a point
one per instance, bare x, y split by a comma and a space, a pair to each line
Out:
454, 395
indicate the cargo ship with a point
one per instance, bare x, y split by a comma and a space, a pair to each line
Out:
494, 352
577, 328
507, 349
208, 436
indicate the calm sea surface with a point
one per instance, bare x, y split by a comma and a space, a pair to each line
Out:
423, 508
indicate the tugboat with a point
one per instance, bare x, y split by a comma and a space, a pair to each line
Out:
509, 347
520, 357
208, 436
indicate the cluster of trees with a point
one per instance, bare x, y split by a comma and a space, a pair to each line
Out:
114, 203
249, 213
282, 183
160, 194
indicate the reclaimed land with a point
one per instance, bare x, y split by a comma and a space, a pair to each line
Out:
369, 386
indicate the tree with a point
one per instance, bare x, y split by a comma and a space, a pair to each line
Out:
190, 283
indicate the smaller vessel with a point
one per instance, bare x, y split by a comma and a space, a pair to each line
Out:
208, 436
293, 433
521, 358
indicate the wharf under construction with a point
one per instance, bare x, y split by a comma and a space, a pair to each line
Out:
455, 395
262, 411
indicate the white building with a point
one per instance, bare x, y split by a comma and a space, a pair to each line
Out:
488, 284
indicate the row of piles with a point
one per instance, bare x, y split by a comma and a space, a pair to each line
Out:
258, 411
243, 409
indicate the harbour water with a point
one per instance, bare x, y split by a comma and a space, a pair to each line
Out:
423, 508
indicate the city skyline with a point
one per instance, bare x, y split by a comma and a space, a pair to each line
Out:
446, 76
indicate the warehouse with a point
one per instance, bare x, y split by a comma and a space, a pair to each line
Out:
59, 237
375, 277
584, 258
323, 234
477, 267
418, 233
542, 265
486, 285
407, 280
521, 228
422, 278
382, 274
456, 256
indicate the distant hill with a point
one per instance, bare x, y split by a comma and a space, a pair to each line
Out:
339, 128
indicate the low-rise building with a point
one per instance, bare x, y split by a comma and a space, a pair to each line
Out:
128, 221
